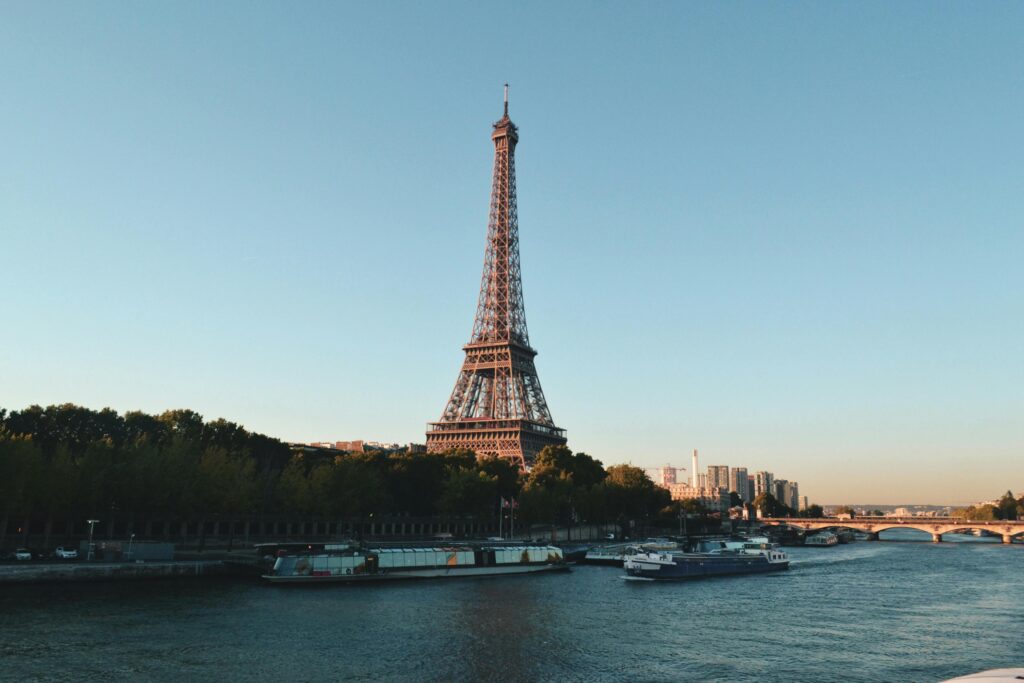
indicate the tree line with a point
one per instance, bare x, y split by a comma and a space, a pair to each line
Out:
66, 463
770, 506
1006, 507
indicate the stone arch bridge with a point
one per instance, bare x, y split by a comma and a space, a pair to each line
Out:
936, 526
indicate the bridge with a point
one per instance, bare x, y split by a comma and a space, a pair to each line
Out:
936, 526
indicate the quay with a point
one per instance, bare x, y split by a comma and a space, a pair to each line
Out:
936, 526
37, 572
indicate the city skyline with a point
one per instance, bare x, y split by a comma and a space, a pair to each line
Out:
796, 234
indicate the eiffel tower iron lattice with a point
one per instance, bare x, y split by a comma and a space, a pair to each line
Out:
497, 406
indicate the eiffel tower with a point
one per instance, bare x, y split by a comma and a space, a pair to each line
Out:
497, 406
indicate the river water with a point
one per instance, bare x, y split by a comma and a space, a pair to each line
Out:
878, 612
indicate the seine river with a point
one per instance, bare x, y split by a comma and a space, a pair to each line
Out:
878, 612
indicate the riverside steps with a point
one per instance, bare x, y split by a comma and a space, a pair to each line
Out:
936, 526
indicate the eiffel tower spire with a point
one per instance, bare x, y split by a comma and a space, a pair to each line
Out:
497, 406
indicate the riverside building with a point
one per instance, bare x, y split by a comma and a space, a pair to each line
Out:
714, 499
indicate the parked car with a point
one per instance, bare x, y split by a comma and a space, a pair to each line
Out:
66, 553
22, 554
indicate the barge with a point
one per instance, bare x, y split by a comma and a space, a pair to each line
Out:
350, 563
752, 558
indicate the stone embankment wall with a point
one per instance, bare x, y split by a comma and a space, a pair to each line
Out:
101, 571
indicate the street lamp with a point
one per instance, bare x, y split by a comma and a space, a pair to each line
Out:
131, 542
92, 524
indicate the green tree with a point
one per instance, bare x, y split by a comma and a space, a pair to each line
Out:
293, 488
1007, 506
360, 486
227, 482
769, 506
415, 481
558, 462
21, 464
985, 513
632, 493
549, 502
506, 474
468, 491
814, 511
563, 487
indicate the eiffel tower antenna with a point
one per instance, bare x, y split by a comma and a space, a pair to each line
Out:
497, 406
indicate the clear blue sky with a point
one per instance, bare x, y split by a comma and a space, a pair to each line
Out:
789, 235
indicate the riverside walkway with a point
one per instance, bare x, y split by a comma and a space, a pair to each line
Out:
936, 526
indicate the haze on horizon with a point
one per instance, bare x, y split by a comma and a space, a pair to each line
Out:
786, 234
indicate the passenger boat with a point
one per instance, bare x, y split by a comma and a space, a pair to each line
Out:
823, 539
350, 563
752, 558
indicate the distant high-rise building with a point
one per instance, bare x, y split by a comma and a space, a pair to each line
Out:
791, 495
803, 503
718, 476
764, 482
787, 493
693, 469
738, 482
702, 481
667, 474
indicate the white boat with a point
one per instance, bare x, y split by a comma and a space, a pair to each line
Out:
349, 563
992, 676
608, 554
822, 539
615, 555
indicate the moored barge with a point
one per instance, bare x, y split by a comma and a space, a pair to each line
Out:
349, 563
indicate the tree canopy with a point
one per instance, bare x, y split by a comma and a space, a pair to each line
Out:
69, 462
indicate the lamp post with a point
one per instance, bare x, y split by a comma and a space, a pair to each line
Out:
92, 525
131, 542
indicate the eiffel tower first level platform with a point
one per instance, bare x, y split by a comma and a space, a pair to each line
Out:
497, 406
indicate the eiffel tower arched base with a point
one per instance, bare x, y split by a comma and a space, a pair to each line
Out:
518, 440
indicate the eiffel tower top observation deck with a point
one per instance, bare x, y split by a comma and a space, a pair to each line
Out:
497, 406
